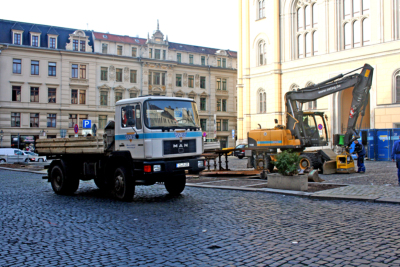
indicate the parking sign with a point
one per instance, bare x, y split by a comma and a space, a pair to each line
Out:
87, 124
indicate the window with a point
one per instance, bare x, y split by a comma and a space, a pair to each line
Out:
52, 68
157, 53
178, 80
133, 76
15, 119
119, 50
132, 95
17, 66
162, 78
74, 71
150, 52
224, 105
51, 95
103, 98
74, 96
224, 125
104, 73
51, 120
262, 97
52, 42
179, 57
34, 120
203, 103
82, 97
262, 53
219, 62
224, 62
191, 81
219, 84
81, 118
202, 82
397, 88
73, 119
149, 78
203, 124
164, 54
190, 59
82, 48
34, 67
219, 125
16, 93
261, 9
118, 96
35, 40
312, 104
75, 45
156, 78
356, 27
219, 104
17, 38
307, 23
119, 75
34, 94
203, 60
104, 48
224, 84
82, 72
102, 121
134, 52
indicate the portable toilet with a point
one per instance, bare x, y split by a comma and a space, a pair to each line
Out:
383, 144
371, 144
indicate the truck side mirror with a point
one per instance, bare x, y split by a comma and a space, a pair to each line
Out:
276, 121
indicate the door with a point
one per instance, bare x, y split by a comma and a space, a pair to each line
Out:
130, 132
383, 144
371, 144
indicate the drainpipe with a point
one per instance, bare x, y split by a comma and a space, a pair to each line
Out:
141, 75
61, 90
209, 90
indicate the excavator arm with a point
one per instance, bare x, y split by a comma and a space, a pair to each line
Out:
361, 84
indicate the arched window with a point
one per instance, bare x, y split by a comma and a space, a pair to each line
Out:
262, 101
311, 104
307, 23
356, 23
261, 9
315, 42
262, 53
396, 92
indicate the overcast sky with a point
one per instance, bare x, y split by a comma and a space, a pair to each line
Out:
210, 23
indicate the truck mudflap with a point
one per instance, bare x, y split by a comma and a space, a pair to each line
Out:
159, 167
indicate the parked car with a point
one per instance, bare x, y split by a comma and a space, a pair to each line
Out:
240, 153
35, 157
12, 155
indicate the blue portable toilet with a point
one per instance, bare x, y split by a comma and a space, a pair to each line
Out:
383, 144
371, 144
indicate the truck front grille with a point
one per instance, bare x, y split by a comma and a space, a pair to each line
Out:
179, 147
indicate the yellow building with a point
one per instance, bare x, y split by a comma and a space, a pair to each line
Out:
288, 44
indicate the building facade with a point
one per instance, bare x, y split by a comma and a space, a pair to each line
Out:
290, 44
53, 78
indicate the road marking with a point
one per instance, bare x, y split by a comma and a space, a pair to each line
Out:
213, 182
348, 178
255, 184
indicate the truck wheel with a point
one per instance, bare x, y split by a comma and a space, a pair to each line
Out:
40, 160
60, 183
240, 157
305, 162
123, 185
176, 184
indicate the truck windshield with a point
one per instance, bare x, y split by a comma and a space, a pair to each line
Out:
170, 113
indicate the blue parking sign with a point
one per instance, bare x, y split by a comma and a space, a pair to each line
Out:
87, 124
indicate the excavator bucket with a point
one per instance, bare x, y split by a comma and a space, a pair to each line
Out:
329, 167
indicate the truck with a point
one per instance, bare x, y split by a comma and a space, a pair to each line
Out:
153, 139
305, 129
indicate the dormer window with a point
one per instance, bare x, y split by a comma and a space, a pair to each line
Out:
75, 45
35, 40
17, 38
52, 42
82, 48
105, 36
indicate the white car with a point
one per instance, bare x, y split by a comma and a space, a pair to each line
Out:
34, 157
12, 155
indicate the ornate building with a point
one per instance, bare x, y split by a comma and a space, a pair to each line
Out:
53, 78
288, 44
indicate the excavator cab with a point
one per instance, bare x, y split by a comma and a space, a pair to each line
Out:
312, 128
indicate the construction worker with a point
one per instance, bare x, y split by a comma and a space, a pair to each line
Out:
396, 157
359, 149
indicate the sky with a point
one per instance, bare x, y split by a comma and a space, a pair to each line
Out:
209, 23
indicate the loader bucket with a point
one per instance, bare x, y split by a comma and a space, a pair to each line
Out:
329, 167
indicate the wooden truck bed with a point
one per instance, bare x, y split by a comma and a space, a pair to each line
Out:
74, 145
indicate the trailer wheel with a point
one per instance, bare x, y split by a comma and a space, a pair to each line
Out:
62, 184
123, 185
176, 184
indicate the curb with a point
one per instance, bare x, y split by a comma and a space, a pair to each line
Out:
22, 170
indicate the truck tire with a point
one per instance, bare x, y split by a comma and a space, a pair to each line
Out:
123, 185
61, 183
308, 160
240, 157
176, 184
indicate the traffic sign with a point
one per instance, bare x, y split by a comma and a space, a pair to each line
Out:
320, 127
94, 129
233, 134
204, 134
76, 128
87, 124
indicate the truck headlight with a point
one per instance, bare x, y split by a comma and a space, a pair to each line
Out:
156, 168
200, 164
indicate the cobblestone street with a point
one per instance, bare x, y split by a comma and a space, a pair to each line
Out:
203, 227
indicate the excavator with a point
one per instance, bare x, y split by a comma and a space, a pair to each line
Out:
306, 129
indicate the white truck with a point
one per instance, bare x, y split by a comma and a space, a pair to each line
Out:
154, 139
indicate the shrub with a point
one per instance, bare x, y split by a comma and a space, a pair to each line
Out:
287, 162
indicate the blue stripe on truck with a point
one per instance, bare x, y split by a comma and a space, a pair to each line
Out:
158, 135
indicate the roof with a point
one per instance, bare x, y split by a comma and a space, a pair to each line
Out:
119, 38
63, 33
